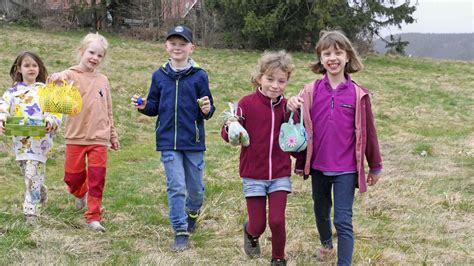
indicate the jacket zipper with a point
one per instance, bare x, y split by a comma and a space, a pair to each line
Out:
197, 131
176, 115
332, 104
271, 143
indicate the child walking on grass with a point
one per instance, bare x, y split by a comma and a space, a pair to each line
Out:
265, 169
89, 133
21, 100
174, 92
341, 130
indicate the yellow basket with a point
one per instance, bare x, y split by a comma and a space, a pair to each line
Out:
64, 99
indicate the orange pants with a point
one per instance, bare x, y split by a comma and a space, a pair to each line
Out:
81, 180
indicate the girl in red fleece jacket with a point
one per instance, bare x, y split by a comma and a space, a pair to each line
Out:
264, 167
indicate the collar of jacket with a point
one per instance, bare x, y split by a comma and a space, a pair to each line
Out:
166, 67
266, 100
340, 86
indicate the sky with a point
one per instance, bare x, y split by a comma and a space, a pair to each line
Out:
439, 16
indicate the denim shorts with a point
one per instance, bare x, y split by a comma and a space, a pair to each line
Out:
256, 187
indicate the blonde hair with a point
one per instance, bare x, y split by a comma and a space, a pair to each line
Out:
338, 40
88, 39
269, 62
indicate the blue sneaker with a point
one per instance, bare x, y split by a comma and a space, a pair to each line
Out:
192, 221
181, 240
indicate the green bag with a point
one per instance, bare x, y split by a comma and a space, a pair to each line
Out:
20, 126
293, 136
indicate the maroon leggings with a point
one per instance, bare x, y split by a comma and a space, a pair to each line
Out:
256, 207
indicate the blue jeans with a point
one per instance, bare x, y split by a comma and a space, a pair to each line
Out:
261, 188
185, 186
343, 187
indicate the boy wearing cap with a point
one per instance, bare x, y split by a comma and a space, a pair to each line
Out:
180, 96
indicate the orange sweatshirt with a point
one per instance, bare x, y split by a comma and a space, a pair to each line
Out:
94, 124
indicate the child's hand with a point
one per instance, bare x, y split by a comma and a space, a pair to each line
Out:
299, 172
55, 77
204, 104
138, 102
372, 179
115, 146
229, 121
50, 128
294, 103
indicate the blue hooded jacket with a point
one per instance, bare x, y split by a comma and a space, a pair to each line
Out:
173, 98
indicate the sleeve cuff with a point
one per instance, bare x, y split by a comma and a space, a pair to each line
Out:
375, 171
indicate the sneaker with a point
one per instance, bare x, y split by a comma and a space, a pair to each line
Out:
325, 254
278, 262
251, 245
44, 194
31, 219
96, 226
181, 240
192, 221
81, 203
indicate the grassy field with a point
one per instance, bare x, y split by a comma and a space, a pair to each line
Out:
421, 211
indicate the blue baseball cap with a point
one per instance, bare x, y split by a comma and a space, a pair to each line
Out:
182, 31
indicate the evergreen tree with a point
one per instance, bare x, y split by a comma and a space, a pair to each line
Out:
291, 24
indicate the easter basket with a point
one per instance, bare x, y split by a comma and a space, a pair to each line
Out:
20, 126
293, 136
63, 99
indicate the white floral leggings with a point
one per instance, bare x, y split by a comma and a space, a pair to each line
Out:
36, 191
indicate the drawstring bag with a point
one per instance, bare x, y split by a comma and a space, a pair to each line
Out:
63, 99
236, 132
293, 136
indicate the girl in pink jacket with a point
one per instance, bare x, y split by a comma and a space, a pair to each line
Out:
341, 134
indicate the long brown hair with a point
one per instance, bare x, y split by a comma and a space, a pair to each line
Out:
15, 69
338, 40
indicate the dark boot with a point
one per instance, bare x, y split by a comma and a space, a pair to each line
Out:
251, 245
278, 262
192, 221
181, 240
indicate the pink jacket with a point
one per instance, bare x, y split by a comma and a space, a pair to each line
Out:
367, 145
94, 125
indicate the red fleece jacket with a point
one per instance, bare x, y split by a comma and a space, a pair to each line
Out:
263, 158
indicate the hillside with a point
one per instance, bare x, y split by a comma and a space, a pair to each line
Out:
456, 46
420, 212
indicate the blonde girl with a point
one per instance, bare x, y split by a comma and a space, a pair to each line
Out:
91, 132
